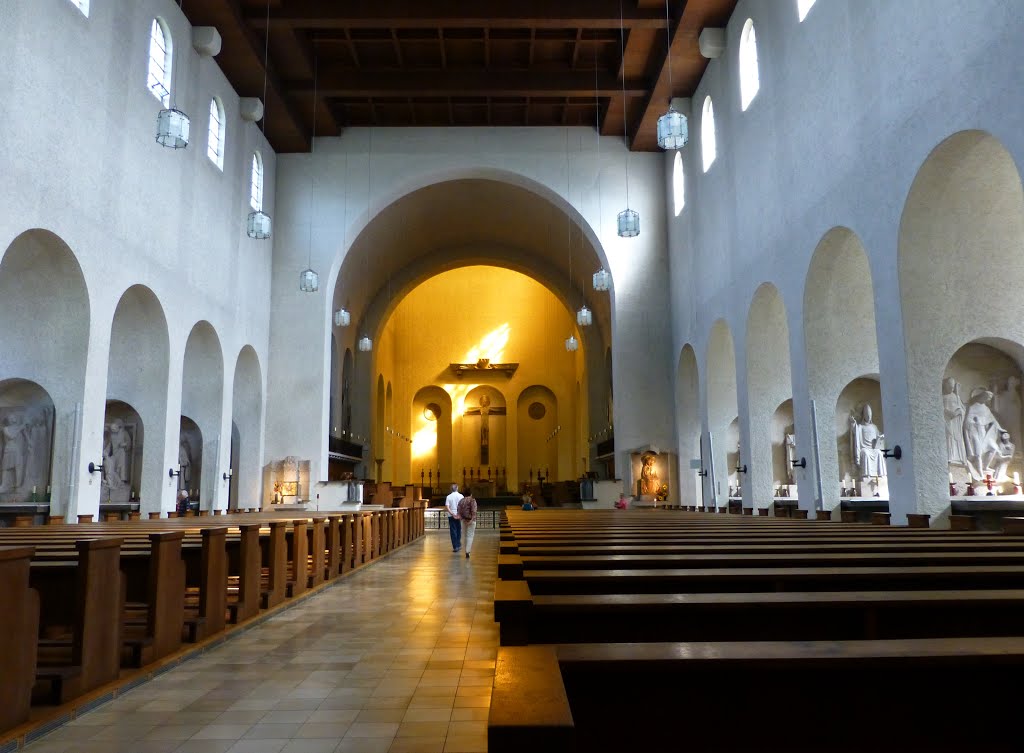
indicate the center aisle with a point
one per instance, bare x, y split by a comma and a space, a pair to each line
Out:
398, 658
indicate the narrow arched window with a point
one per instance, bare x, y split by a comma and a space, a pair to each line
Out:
160, 61
707, 134
82, 5
803, 7
256, 183
678, 184
215, 138
750, 79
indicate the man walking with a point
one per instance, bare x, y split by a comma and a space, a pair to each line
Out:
454, 526
467, 516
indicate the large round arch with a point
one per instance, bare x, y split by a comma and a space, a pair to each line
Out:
688, 425
247, 419
840, 342
960, 263
722, 411
202, 400
44, 305
769, 387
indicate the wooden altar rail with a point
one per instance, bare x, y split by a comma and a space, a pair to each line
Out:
780, 608
70, 631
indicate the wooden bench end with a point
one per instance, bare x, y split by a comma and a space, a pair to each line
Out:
529, 707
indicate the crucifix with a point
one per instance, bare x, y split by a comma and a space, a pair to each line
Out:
484, 411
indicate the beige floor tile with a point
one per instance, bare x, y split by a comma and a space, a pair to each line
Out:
423, 729
372, 729
417, 745
469, 744
470, 715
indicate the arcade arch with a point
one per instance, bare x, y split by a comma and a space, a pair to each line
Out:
688, 426
769, 393
137, 371
722, 412
44, 305
960, 263
202, 400
841, 347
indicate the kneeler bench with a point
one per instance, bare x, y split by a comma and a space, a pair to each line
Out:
937, 696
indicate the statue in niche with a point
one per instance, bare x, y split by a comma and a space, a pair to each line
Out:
649, 483
185, 463
983, 437
866, 442
953, 409
789, 442
39, 441
1007, 406
117, 451
14, 455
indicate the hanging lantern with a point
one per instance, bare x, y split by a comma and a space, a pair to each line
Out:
673, 132
258, 226
172, 127
572, 344
602, 280
629, 223
584, 318
365, 344
309, 281
342, 318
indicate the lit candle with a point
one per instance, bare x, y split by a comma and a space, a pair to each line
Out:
33, 490
1016, 478
951, 478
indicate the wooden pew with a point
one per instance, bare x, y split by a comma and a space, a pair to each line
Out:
85, 594
19, 626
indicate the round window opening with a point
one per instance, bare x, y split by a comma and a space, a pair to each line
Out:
432, 412
536, 411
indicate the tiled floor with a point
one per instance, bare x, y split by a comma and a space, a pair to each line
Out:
398, 658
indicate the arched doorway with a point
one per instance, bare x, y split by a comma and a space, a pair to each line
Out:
202, 403
688, 427
722, 413
247, 420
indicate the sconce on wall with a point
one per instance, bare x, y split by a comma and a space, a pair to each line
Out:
93, 468
741, 469
801, 463
227, 476
895, 453
171, 473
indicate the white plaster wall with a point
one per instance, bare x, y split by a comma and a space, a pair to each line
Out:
851, 102
78, 158
351, 189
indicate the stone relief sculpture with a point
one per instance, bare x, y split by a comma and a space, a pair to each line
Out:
953, 409
14, 454
866, 443
117, 465
1007, 406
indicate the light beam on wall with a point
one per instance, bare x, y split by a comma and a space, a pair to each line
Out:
491, 346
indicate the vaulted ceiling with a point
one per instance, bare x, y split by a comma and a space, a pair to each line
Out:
398, 63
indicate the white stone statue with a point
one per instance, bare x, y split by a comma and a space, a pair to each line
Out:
14, 454
953, 409
1007, 406
790, 444
185, 461
117, 460
982, 436
866, 443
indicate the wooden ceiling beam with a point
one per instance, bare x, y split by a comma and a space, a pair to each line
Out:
495, 14
466, 83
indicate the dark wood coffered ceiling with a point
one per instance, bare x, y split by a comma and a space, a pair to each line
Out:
401, 63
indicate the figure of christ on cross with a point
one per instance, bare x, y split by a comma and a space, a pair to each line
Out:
484, 411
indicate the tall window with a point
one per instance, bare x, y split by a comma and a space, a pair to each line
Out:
707, 134
215, 138
678, 183
750, 79
160, 61
256, 183
82, 5
803, 7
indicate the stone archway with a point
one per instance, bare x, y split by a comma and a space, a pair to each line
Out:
960, 264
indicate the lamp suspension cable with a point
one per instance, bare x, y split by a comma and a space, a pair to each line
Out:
365, 343
673, 131
627, 221
258, 225
172, 125
309, 280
